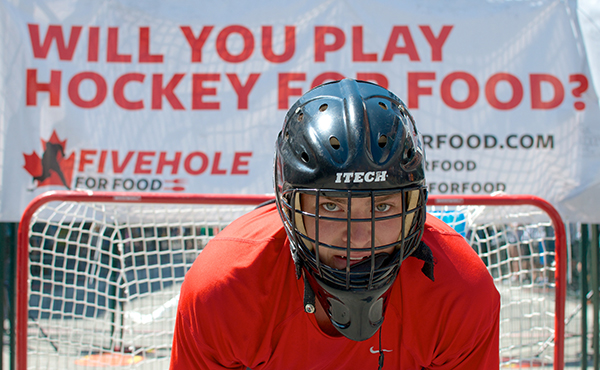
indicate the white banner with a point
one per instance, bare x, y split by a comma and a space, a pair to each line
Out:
186, 96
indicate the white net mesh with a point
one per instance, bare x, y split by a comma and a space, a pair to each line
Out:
104, 278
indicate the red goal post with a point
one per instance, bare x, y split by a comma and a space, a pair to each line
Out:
524, 249
560, 254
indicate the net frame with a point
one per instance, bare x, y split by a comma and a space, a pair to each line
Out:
253, 200
544, 211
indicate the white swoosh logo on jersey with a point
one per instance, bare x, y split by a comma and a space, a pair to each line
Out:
376, 351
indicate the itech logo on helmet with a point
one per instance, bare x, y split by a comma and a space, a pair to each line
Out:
356, 177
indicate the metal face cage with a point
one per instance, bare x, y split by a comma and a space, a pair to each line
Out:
379, 263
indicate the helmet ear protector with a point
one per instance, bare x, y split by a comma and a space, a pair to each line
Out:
352, 143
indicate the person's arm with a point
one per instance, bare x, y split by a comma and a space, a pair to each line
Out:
204, 327
190, 352
480, 350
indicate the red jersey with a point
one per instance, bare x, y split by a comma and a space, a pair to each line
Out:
241, 306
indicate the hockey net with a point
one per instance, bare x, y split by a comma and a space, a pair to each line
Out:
99, 273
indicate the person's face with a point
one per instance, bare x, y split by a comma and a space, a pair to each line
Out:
336, 232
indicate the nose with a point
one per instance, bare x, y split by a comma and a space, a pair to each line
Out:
360, 237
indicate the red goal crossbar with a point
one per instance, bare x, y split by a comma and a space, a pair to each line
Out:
250, 200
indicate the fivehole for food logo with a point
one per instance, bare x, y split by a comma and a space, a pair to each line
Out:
54, 167
103, 169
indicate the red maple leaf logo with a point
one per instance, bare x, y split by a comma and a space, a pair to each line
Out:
53, 168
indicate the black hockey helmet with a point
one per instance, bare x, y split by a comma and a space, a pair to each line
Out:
345, 143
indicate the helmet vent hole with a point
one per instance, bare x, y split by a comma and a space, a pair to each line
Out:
382, 105
335, 143
300, 117
323, 107
304, 157
382, 141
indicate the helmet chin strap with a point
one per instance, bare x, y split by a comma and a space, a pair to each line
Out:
309, 297
380, 352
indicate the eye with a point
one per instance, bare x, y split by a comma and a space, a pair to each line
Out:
330, 207
382, 207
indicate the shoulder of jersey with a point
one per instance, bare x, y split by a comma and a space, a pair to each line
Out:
260, 223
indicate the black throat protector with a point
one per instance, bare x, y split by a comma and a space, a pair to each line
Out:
358, 314
355, 314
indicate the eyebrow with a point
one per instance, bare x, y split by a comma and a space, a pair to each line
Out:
386, 197
340, 200
343, 200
